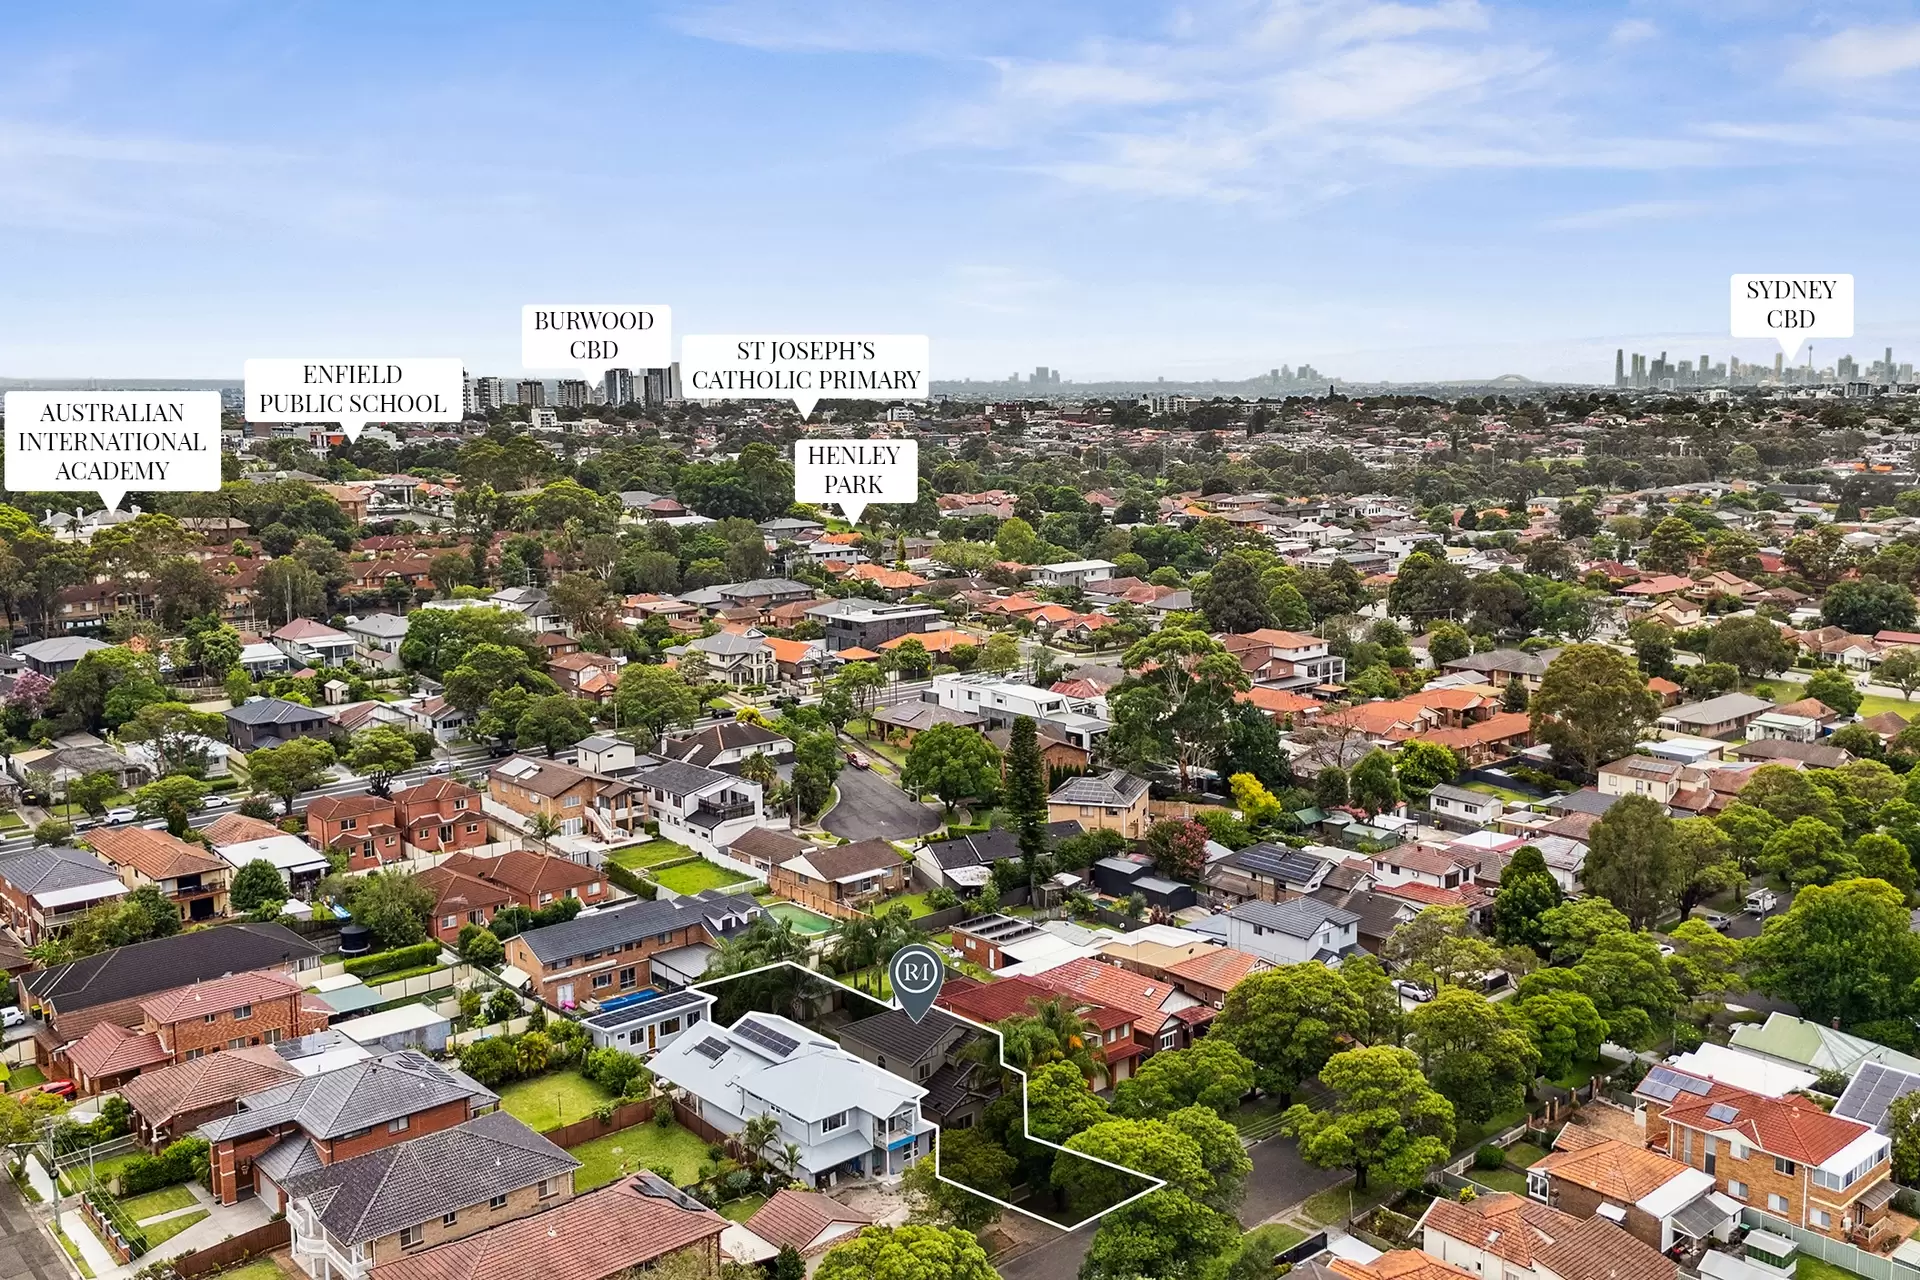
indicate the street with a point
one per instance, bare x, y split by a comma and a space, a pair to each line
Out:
871, 806
25, 1251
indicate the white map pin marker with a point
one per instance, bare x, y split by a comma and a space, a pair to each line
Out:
856, 472
1793, 308
916, 972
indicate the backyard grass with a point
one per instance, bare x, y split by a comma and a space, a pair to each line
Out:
1505, 794
1510, 1180
1332, 1205
159, 1233
554, 1099
1524, 1155
692, 877
25, 1077
1811, 1268
742, 1209
676, 1154
914, 902
73, 1251
258, 1269
1472, 1135
650, 853
155, 1203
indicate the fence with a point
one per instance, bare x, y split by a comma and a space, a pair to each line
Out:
624, 1116
233, 1250
707, 1133
512, 1027
1838, 1252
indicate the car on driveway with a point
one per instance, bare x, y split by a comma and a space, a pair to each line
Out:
1413, 991
10, 1016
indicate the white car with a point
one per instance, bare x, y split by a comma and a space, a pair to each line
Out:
217, 801
1413, 991
122, 814
11, 1016
440, 766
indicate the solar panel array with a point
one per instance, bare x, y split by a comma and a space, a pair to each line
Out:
1723, 1113
1278, 861
1664, 1084
1873, 1089
766, 1037
712, 1048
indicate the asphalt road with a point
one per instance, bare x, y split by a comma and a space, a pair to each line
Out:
26, 1253
871, 806
1280, 1180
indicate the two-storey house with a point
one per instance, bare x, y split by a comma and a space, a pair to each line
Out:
472, 890
45, 890
293, 1128
1117, 1053
382, 1206
1112, 801
704, 809
843, 1115
313, 644
439, 815
234, 1012
580, 802
1293, 931
1285, 660
267, 722
608, 953
739, 661
193, 879
932, 1053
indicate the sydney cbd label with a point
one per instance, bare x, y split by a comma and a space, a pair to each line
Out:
113, 441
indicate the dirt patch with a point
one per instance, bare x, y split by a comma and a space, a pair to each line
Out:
1610, 1122
884, 1205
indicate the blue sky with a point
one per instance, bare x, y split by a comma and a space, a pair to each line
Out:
1427, 189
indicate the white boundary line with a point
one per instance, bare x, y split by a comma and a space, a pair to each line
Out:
1025, 1125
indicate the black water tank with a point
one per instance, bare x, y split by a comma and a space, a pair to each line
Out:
355, 940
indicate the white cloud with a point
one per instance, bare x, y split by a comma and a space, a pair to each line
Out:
1861, 53
1643, 211
1632, 31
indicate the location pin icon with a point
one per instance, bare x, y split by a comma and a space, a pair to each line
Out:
916, 972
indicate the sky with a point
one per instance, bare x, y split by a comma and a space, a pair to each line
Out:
1428, 189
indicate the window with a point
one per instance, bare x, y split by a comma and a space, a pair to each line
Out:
273, 1035
211, 1018
1822, 1219
498, 1202
1777, 1203
593, 890
926, 1069
398, 1124
546, 1188
838, 1120
1782, 1165
1170, 1039
448, 1219
238, 1042
628, 975
243, 1012
409, 1237
1738, 1190
459, 805
602, 980
571, 802
670, 1027
545, 898
347, 824
447, 922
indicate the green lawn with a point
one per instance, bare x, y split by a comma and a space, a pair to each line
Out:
1331, 1206
258, 1269
161, 1232
650, 853
556, 1098
1811, 1268
103, 1171
1873, 704
1279, 1236
676, 1154
1259, 1118
1501, 1179
1504, 793
1524, 1155
25, 1077
692, 877
915, 902
1467, 1136
11, 821
155, 1203
742, 1209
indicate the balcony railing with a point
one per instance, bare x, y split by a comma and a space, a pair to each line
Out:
724, 810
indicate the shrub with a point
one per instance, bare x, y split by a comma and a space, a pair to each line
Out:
663, 1115
630, 882
491, 1061
1489, 1157
412, 957
180, 1162
941, 897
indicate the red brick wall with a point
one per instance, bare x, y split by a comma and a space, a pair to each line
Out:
281, 1013
431, 1120
521, 957
1763, 1180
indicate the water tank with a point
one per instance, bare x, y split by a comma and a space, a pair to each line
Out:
355, 940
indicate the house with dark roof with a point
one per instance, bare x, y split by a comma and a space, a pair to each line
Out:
704, 809
931, 1053
293, 1128
839, 880
267, 722
1112, 801
964, 863
1270, 872
109, 986
726, 746
44, 890
608, 953
638, 1224
1292, 931
351, 1215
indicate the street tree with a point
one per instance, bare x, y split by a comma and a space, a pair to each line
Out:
1439, 946
289, 769
1751, 643
1385, 1121
1845, 952
1288, 1021
1836, 689
1475, 1055
380, 753
911, 1252
953, 763
1527, 892
1593, 705
1631, 860
1808, 852
173, 799
1212, 1073
1565, 1028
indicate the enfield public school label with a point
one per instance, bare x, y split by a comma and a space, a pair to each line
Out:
355, 392
113, 441
856, 472
1793, 308
804, 368
596, 338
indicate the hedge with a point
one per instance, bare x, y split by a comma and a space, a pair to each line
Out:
420, 953
630, 882
176, 1164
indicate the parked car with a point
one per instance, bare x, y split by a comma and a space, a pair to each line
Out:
124, 813
440, 766
1761, 901
10, 1016
1717, 919
1413, 991
858, 759
58, 1088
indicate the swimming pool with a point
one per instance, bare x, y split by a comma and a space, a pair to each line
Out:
803, 920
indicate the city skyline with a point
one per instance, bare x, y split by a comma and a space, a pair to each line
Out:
1443, 191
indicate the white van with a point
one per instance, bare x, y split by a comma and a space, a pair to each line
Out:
1761, 901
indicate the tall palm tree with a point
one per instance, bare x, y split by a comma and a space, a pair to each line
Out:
544, 827
759, 767
758, 1134
856, 947
1049, 1031
791, 1154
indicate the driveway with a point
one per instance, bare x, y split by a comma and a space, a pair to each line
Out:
1280, 1180
25, 1251
872, 807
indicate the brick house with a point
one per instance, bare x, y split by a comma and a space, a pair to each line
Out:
572, 797
1506, 1237
989, 1002
609, 952
439, 816
171, 1102
472, 890
45, 890
192, 878
336, 1115
360, 824
1113, 801
188, 1023
1654, 1197
841, 879
1782, 1155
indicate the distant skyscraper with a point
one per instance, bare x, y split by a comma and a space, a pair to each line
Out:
489, 393
533, 393
1040, 374
1705, 364
573, 393
1619, 366
1779, 359
659, 386
619, 385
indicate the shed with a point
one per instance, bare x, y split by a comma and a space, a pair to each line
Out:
410, 1026
1118, 877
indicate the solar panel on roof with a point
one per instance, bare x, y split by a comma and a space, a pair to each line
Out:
1663, 1084
1874, 1089
1723, 1113
767, 1038
712, 1048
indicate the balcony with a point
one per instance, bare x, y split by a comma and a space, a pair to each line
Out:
726, 810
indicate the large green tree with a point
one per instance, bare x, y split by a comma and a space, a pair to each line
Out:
911, 1252
1232, 598
289, 769
1288, 1021
1212, 1074
1631, 860
1477, 1055
952, 762
1527, 892
1845, 951
1385, 1121
1027, 794
1593, 705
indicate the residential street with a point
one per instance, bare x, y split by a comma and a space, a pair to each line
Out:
1280, 1180
872, 806
25, 1251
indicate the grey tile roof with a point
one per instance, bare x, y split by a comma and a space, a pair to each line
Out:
722, 914
1114, 789
1299, 918
377, 1194
166, 963
273, 711
678, 779
701, 748
1728, 706
901, 1038
725, 643
36, 869
357, 1096
61, 649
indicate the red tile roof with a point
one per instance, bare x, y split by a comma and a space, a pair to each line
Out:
1789, 1127
218, 995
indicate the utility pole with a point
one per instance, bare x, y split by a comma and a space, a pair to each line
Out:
53, 1166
